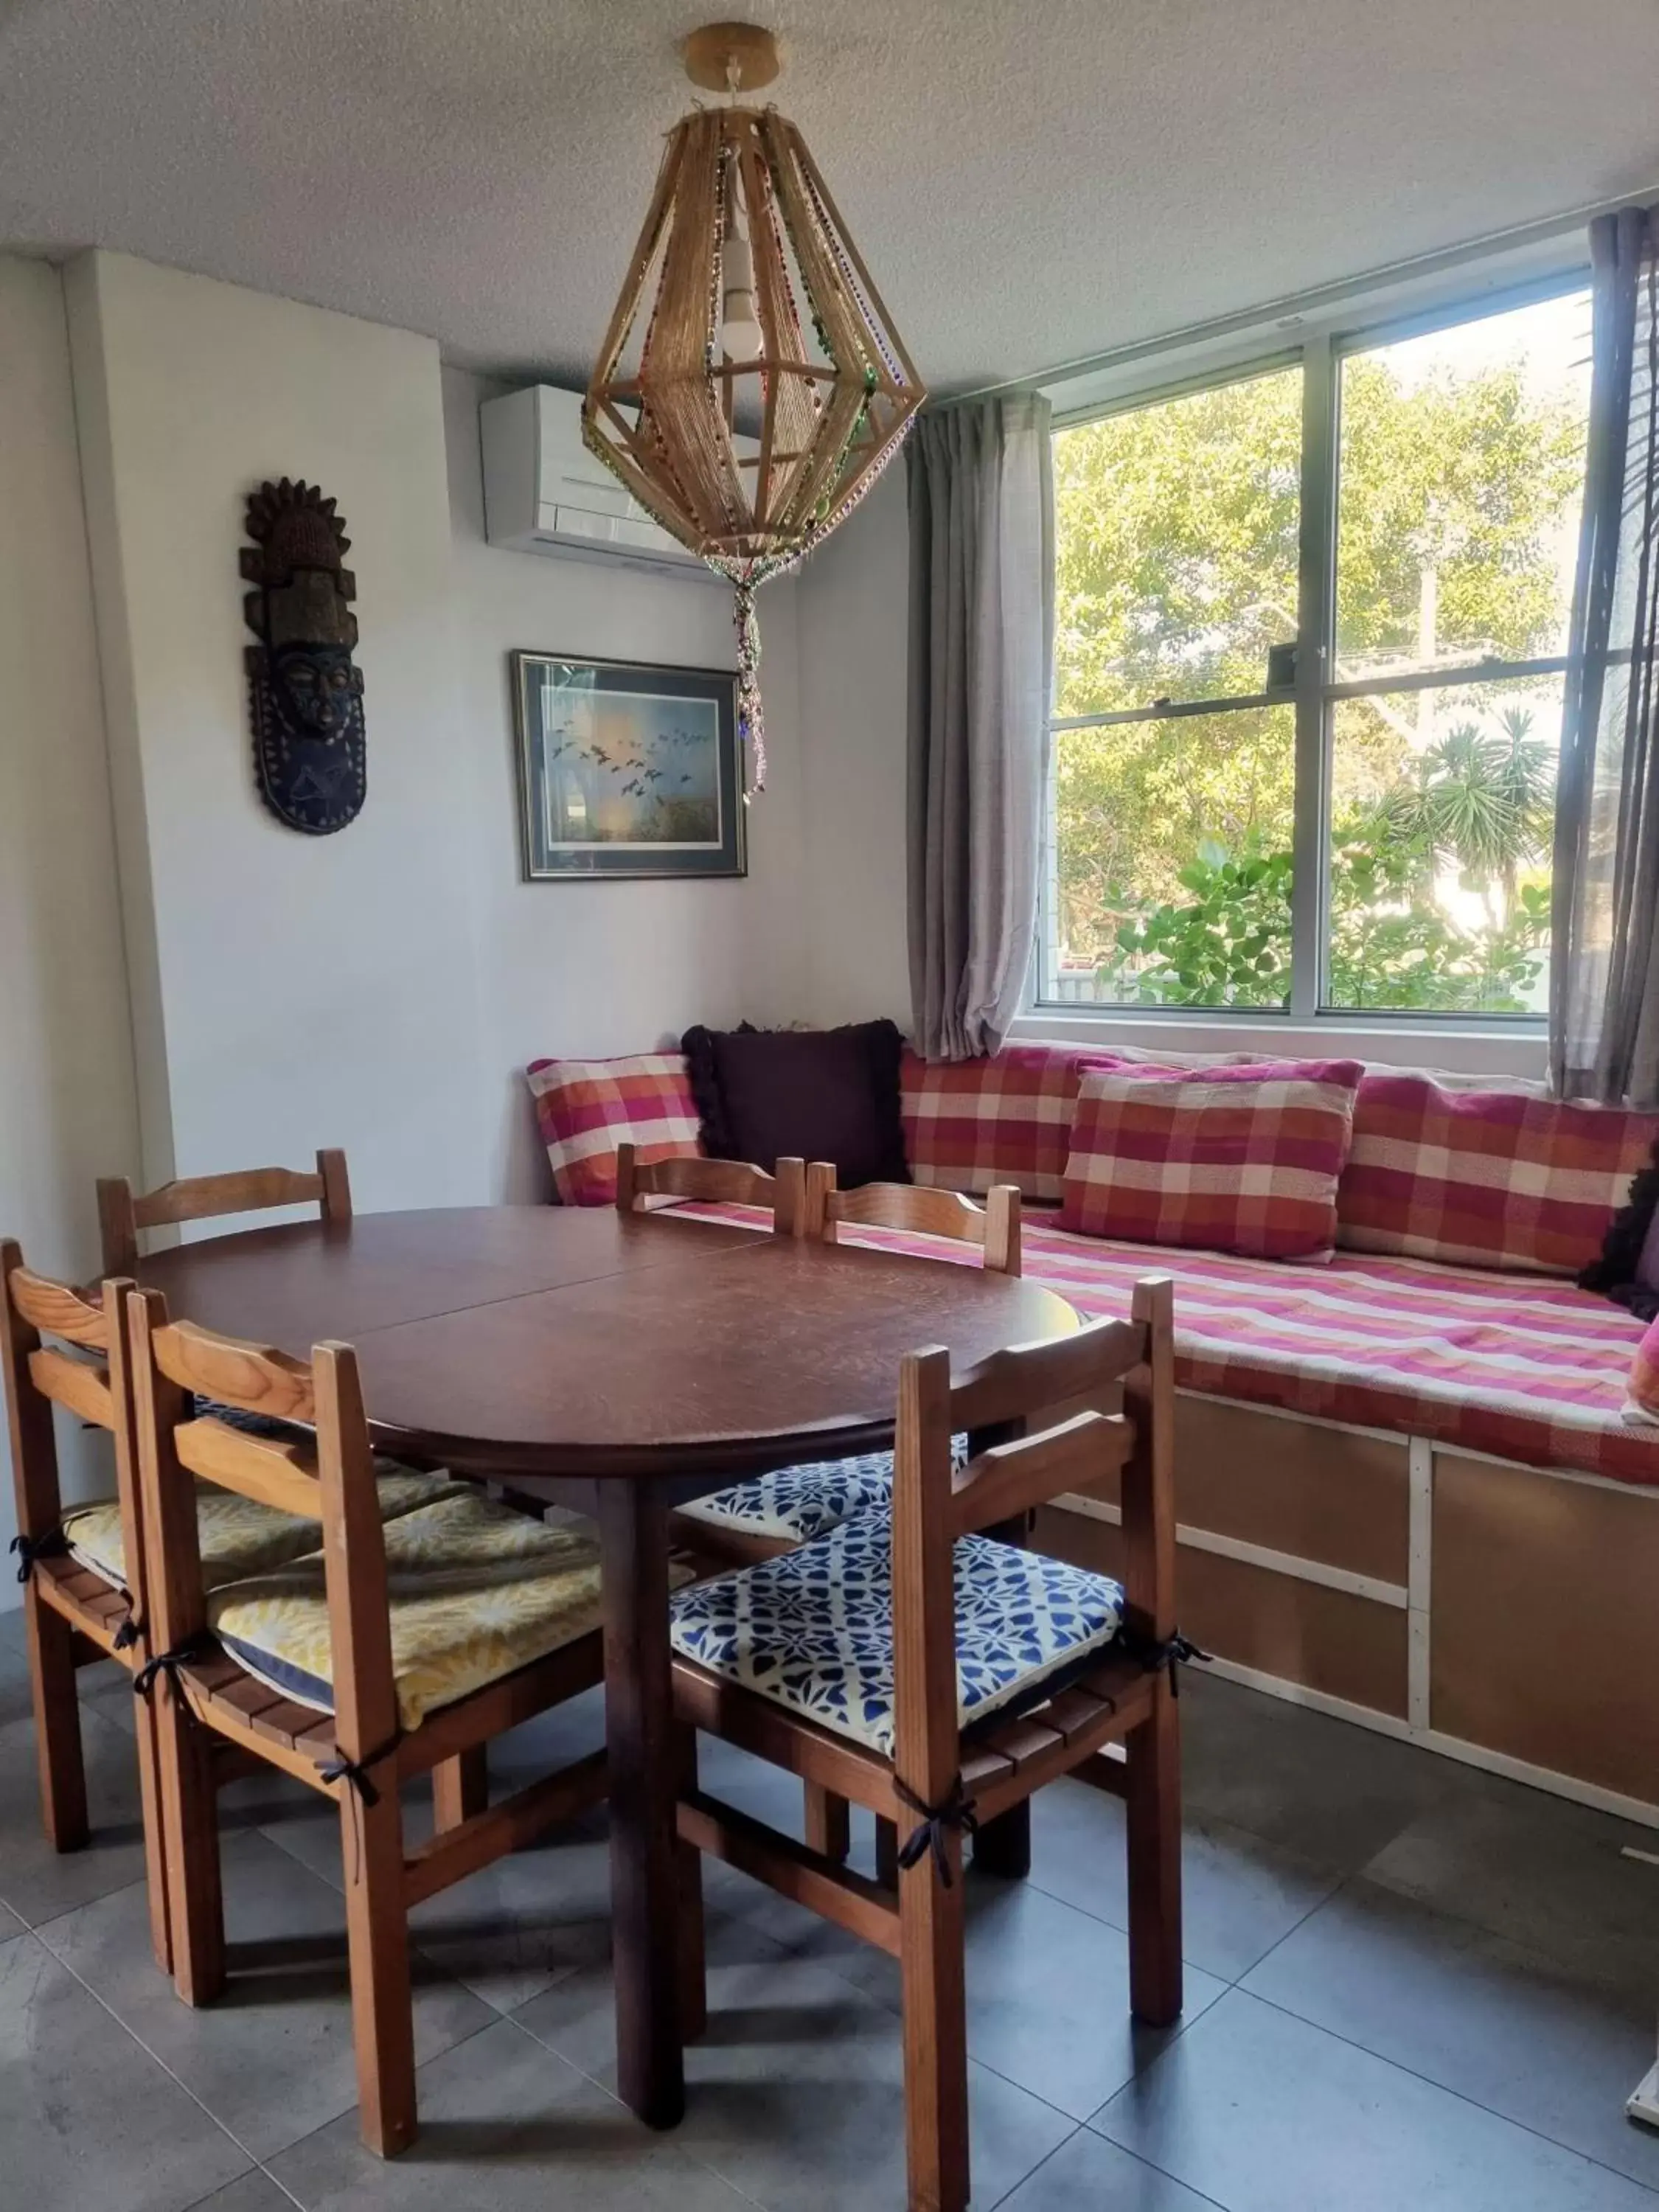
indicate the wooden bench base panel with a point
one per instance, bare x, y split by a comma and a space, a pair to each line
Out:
1546, 1632
1344, 1646
1492, 1611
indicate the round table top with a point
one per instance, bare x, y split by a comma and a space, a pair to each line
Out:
566, 1341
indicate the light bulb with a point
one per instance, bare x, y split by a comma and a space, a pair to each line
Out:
741, 336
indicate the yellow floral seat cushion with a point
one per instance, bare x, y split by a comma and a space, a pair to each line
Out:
477, 1591
237, 1535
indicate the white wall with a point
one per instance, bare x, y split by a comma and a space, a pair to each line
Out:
381, 988
67, 1106
606, 968
292, 991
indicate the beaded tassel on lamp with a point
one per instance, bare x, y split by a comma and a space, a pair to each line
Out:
751, 385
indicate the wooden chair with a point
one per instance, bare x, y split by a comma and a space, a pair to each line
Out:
767, 1514
922, 1767
73, 1615
993, 1227
360, 1752
121, 1216
714, 1183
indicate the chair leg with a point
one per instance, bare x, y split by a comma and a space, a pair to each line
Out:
694, 1970
189, 1827
155, 1845
382, 1996
1153, 1824
931, 1961
461, 1788
1003, 1846
57, 1726
886, 1853
828, 1822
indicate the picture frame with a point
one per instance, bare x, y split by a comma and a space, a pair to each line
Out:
627, 770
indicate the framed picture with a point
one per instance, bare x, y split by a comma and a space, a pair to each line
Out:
627, 770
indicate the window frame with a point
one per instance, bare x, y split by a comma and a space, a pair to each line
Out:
1322, 342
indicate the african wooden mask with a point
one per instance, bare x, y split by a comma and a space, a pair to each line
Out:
309, 750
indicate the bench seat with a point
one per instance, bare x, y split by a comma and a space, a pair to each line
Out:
1527, 1368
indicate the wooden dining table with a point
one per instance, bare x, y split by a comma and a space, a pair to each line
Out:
621, 1364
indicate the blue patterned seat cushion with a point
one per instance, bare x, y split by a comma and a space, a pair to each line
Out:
813, 1629
799, 1502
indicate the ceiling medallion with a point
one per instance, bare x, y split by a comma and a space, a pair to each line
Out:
751, 384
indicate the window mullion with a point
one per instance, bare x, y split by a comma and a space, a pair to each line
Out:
1316, 570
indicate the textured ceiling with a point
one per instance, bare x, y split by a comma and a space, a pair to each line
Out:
1029, 183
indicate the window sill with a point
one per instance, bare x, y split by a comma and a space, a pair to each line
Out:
1518, 1049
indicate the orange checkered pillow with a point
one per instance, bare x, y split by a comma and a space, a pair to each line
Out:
1486, 1178
586, 1108
1230, 1159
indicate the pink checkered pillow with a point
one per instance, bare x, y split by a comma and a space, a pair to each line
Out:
970, 1123
1486, 1178
586, 1108
1240, 1159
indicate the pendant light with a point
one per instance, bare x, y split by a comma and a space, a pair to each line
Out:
751, 384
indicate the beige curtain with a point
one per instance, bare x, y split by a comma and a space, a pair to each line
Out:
981, 620
1604, 979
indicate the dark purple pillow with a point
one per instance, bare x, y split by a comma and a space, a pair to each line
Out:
766, 1095
1627, 1269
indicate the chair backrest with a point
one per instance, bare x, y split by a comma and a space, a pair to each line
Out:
1010, 1397
330, 1480
121, 1214
993, 1227
39, 1375
715, 1182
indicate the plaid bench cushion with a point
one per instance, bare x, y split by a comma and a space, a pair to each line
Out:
585, 1108
1484, 1178
1527, 1368
1234, 1159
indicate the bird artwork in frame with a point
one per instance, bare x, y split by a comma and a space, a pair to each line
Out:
627, 768
305, 690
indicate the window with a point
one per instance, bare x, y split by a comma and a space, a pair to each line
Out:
1310, 631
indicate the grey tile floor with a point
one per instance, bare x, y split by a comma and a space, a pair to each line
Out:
1409, 1985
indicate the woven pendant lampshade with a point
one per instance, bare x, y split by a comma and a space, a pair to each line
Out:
751, 385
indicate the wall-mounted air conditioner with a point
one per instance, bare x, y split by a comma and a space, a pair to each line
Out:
545, 493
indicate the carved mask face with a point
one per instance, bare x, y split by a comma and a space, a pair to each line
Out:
316, 687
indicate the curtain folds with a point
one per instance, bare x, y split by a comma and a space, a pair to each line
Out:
981, 619
1604, 976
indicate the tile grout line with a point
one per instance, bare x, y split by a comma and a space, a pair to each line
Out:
1140, 2157
223, 2127
830, 1963
155, 2057
266, 2165
1330, 1897
1013, 2190
668, 2136
1506, 2119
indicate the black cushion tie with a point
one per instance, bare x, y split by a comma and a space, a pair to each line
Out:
167, 1663
1173, 1653
356, 1771
363, 1791
936, 1823
126, 1636
52, 1546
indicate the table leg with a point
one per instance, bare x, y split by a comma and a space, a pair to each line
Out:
644, 1768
